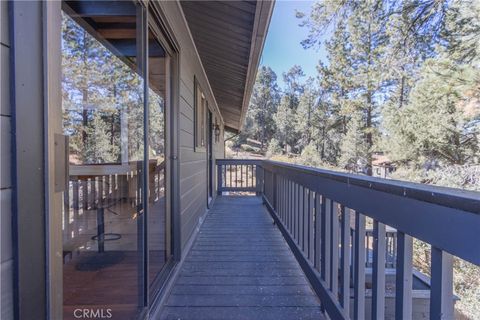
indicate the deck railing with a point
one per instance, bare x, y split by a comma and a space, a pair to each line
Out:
239, 175
95, 187
317, 209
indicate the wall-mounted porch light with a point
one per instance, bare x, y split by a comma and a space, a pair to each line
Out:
216, 130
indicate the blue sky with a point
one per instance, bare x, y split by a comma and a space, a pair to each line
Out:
282, 48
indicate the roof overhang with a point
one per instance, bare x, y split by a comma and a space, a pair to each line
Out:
229, 36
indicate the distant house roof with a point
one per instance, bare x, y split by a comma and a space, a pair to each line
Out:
229, 36
380, 160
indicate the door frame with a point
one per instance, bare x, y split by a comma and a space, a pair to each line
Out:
35, 91
164, 35
50, 233
210, 167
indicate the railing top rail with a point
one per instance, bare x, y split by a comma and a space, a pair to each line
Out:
446, 218
239, 161
448, 197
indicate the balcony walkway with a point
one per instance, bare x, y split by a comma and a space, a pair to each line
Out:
240, 267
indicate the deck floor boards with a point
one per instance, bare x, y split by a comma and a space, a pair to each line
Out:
240, 267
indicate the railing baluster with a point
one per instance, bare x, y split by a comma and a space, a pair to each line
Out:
252, 176
295, 209
84, 195
317, 236
67, 210
441, 297
287, 204
115, 186
220, 179
311, 206
285, 201
76, 205
345, 259
291, 197
334, 240
93, 187
110, 190
359, 268
241, 176
236, 176
305, 232
404, 277
100, 191
275, 191
284, 198
281, 198
292, 217
325, 242
305, 222
378, 276
368, 235
297, 213
300, 216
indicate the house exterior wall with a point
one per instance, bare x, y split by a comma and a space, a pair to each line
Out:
5, 174
193, 165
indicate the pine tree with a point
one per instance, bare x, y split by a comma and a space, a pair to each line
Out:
434, 126
99, 147
360, 38
263, 106
437, 125
304, 116
355, 150
293, 86
285, 124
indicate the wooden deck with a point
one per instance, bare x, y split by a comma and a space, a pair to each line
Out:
240, 267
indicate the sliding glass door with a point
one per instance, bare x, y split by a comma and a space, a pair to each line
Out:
159, 231
116, 226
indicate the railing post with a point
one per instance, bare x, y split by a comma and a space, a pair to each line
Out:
274, 191
359, 268
378, 277
325, 241
345, 259
258, 180
441, 297
403, 284
317, 234
219, 179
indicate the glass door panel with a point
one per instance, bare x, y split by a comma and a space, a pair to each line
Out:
103, 116
158, 100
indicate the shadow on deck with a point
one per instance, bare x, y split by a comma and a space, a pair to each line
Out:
240, 267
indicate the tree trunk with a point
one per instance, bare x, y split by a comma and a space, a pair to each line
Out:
84, 90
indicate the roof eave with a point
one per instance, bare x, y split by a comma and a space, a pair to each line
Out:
263, 15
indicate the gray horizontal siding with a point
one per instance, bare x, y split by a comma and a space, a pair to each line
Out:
5, 96
6, 155
193, 165
4, 23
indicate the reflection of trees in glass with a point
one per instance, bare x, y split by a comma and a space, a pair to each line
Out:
102, 100
157, 126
